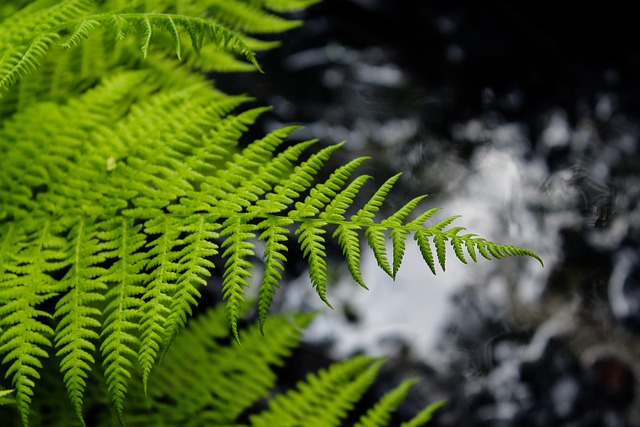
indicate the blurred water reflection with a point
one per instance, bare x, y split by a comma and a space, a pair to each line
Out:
534, 145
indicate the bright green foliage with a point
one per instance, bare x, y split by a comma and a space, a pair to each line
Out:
380, 414
207, 379
204, 371
124, 185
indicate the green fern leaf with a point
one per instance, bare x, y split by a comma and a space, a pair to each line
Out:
323, 399
420, 219
312, 242
27, 37
340, 203
368, 211
285, 5
202, 373
280, 168
157, 298
302, 179
122, 177
349, 241
440, 239
380, 414
24, 335
5, 398
250, 186
80, 33
275, 233
347, 234
194, 265
322, 194
377, 240
398, 233
244, 17
237, 248
422, 239
75, 332
17, 64
147, 32
424, 416
120, 329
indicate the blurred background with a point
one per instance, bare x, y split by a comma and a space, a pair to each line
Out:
523, 118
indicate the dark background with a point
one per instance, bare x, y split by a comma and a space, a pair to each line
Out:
499, 62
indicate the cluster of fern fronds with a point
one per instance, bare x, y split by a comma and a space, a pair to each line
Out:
207, 379
123, 175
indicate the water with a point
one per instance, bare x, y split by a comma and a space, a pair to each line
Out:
535, 145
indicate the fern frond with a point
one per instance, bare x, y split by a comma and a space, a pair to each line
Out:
202, 373
310, 236
440, 238
377, 241
398, 233
258, 157
28, 35
341, 202
302, 177
323, 399
275, 233
244, 17
164, 268
4, 396
423, 416
281, 167
456, 243
120, 329
422, 239
80, 32
380, 414
322, 194
474, 244
285, 5
15, 65
237, 186
194, 265
76, 310
347, 234
349, 242
367, 213
237, 248
223, 38
25, 334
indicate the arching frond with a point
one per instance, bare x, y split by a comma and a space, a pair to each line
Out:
27, 36
18, 63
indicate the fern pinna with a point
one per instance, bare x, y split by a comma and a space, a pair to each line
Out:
123, 177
